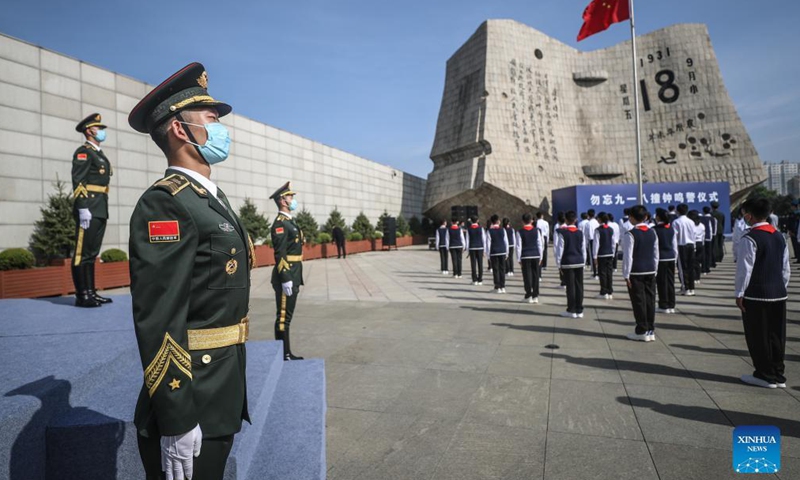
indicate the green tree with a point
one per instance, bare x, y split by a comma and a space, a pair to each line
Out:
781, 204
381, 221
362, 226
54, 233
256, 224
415, 226
335, 220
308, 225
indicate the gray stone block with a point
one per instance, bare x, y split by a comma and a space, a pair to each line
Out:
16, 120
97, 76
98, 96
19, 51
20, 97
19, 74
60, 64
61, 107
60, 85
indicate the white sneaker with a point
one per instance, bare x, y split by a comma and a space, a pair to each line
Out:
579, 315
757, 382
609, 296
535, 300
697, 282
639, 338
528, 300
615, 270
671, 310
502, 290
458, 276
496, 290
690, 293
601, 296
651, 336
562, 287
662, 310
479, 283
781, 385
510, 274
568, 315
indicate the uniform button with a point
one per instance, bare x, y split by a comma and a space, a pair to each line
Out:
233, 251
206, 359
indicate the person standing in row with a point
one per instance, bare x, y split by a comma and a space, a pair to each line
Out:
671, 214
685, 232
457, 240
443, 246
624, 222
710, 225
570, 252
603, 256
497, 251
640, 258
341, 248
762, 282
475, 246
699, 244
614, 226
561, 222
91, 175
667, 257
530, 244
511, 242
588, 233
544, 228
739, 229
719, 238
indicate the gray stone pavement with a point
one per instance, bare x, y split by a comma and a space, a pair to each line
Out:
429, 377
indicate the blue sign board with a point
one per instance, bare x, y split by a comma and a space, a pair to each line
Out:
614, 199
757, 449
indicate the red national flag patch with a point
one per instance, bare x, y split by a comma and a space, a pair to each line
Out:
82, 156
164, 231
279, 230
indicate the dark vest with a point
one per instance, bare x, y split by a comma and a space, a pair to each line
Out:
456, 241
766, 280
530, 245
510, 236
441, 236
644, 244
573, 247
475, 234
606, 235
666, 235
498, 242
707, 222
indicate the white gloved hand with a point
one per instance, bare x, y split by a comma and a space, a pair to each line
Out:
85, 216
177, 452
287, 288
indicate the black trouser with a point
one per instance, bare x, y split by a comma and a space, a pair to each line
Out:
210, 465
455, 256
606, 270
499, 270
443, 259
708, 256
544, 255
665, 283
719, 248
284, 308
530, 276
88, 242
341, 250
510, 260
765, 333
686, 257
476, 265
699, 257
795, 246
616, 253
573, 278
643, 300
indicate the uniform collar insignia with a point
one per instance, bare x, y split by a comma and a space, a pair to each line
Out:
226, 227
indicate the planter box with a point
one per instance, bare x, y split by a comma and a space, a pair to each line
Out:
36, 282
112, 275
265, 256
360, 246
312, 252
377, 244
404, 242
419, 240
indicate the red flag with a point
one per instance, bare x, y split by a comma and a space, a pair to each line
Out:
601, 14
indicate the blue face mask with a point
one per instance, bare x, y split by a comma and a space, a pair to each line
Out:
293, 205
217, 145
100, 136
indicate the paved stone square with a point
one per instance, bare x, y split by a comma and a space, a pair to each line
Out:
429, 377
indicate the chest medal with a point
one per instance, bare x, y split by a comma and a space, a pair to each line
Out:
102, 170
231, 267
226, 227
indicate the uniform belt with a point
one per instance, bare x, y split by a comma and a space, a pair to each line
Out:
208, 338
97, 188
294, 258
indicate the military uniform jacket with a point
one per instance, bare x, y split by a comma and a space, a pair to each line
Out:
287, 241
190, 271
91, 174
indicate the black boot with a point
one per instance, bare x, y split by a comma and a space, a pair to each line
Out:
82, 297
90, 285
287, 348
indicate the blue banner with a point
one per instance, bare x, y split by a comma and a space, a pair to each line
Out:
614, 199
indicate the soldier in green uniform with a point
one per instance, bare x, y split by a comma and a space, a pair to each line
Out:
287, 276
91, 174
190, 283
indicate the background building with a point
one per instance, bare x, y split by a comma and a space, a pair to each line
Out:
780, 174
44, 94
793, 186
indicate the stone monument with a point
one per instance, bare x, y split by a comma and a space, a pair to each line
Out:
523, 114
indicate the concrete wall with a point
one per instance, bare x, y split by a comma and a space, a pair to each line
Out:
44, 94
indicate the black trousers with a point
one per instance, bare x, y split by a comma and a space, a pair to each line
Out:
665, 285
708, 256
510, 260
643, 300
687, 267
699, 258
284, 308
765, 333
719, 248
544, 255
341, 250
605, 269
530, 276
795, 247
499, 270
476, 265
455, 256
573, 278
589, 256
210, 465
443, 259
616, 254
88, 242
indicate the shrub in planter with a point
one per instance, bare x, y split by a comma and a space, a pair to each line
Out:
355, 237
324, 238
113, 255
54, 233
362, 226
16, 259
377, 235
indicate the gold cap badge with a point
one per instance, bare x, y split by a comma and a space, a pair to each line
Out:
202, 80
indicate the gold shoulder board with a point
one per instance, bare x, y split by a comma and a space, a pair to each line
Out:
173, 183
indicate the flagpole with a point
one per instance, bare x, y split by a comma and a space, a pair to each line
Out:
636, 105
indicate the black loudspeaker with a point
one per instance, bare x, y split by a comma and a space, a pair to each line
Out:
458, 212
471, 211
389, 231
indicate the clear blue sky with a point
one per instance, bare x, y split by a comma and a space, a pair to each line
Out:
366, 76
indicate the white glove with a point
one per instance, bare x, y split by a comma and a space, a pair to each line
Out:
177, 452
86, 216
287, 288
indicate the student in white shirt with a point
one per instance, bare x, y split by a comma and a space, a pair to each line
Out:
685, 233
544, 228
699, 244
